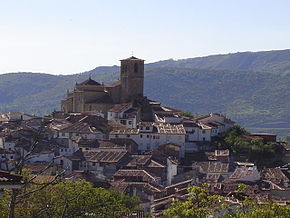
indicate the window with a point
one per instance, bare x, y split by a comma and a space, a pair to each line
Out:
63, 134
135, 68
147, 128
129, 122
61, 150
94, 164
203, 131
203, 139
87, 149
147, 136
128, 136
61, 162
141, 136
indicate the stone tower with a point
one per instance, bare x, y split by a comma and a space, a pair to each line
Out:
132, 78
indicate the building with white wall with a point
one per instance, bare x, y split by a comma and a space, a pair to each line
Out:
149, 135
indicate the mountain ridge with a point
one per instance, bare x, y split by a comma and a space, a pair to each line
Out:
250, 87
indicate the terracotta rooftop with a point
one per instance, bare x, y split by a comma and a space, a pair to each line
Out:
213, 178
118, 108
180, 184
58, 124
151, 188
9, 178
141, 175
213, 166
115, 125
38, 166
105, 156
96, 143
81, 127
242, 172
275, 175
139, 160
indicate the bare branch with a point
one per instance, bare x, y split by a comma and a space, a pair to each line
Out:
42, 187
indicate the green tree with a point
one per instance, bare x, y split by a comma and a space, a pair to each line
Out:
72, 199
187, 114
250, 208
199, 204
265, 210
256, 150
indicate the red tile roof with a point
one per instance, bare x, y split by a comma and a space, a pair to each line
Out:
213, 166
139, 160
9, 178
137, 174
118, 108
105, 156
274, 175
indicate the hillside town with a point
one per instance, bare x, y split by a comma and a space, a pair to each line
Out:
114, 137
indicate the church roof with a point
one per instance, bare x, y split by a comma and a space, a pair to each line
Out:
89, 82
132, 58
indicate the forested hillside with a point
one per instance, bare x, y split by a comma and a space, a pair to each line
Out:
250, 87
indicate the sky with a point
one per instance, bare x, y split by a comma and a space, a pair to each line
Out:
73, 36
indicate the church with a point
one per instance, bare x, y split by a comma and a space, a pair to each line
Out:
91, 96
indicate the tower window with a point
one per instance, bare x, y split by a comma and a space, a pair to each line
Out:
135, 68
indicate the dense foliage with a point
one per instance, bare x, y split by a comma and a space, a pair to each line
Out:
71, 199
251, 88
202, 203
255, 150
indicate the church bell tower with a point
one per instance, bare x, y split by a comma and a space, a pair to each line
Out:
132, 78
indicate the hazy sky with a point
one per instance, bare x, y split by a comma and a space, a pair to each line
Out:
72, 36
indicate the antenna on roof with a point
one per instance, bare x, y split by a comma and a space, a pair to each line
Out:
90, 76
132, 53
